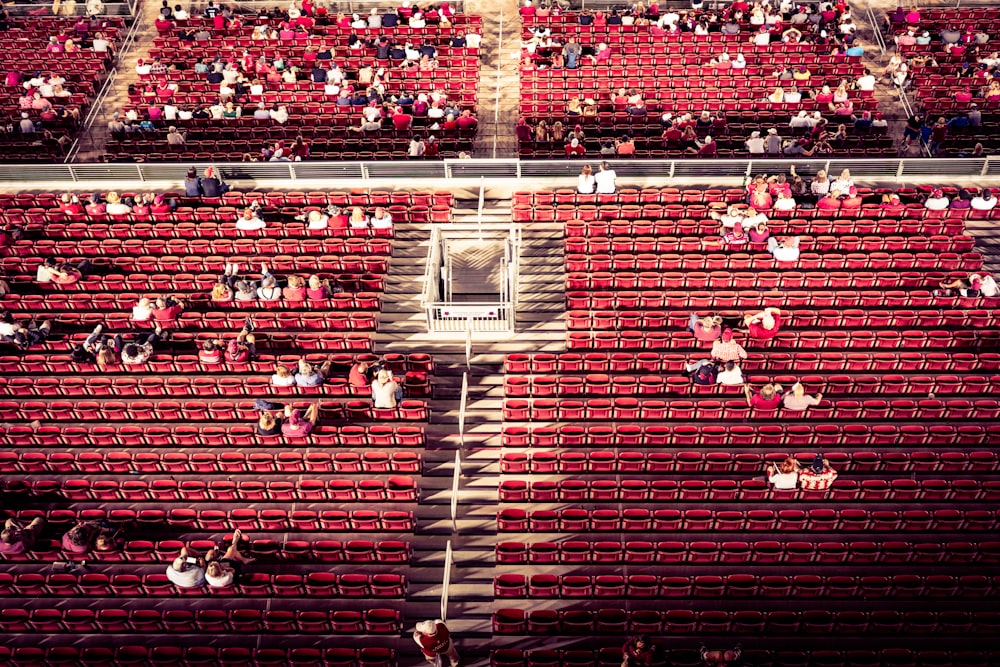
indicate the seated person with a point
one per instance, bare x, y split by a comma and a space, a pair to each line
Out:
268, 424
62, 274
768, 398
706, 328
187, 570
386, 392
726, 349
786, 250
784, 477
167, 310
142, 311
282, 377
16, 539
704, 372
222, 571
731, 375
309, 376
735, 239
320, 289
23, 336
269, 289
381, 219
249, 221
296, 423
88, 536
817, 477
295, 290
763, 325
360, 375
140, 349
798, 400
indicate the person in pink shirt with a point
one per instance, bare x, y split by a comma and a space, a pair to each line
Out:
763, 325
16, 540
768, 398
706, 329
298, 424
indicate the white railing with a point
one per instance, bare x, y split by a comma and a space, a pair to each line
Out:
711, 172
469, 316
482, 204
496, 108
462, 406
456, 477
446, 581
432, 271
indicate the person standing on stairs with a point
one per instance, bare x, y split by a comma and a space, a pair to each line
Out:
434, 640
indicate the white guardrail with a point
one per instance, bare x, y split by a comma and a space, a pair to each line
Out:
704, 171
446, 581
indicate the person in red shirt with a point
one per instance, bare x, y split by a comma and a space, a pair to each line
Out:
434, 640
467, 121
831, 202
167, 311
70, 205
574, 148
295, 290
358, 377
852, 200
768, 398
763, 325
95, 208
401, 120
892, 206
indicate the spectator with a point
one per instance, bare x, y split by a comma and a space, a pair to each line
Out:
575, 149
434, 640
755, 145
386, 392
24, 336
224, 571
310, 376
759, 234
984, 202
768, 398
706, 328
187, 570
249, 221
763, 325
638, 651
359, 376
381, 218
786, 251
726, 349
586, 181
65, 273
88, 536
140, 349
721, 658
735, 239
784, 476
937, 201
211, 185
295, 290
282, 377
318, 289
166, 312
268, 289
15, 539
703, 372
143, 310
268, 424
731, 375
798, 400
298, 424
605, 179
817, 477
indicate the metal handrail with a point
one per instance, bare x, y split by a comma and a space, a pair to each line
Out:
463, 403
446, 580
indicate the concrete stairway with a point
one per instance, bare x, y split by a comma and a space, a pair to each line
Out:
541, 327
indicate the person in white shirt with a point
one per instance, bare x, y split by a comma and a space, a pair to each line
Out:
249, 222
317, 220
784, 477
984, 202
187, 570
169, 112
793, 96
787, 250
472, 40
417, 20
142, 311
866, 82
115, 205
605, 179
762, 38
755, 144
586, 183
185, 114
800, 121
784, 202
280, 115
180, 14
143, 68
381, 219
937, 201
753, 218
358, 23
843, 182
731, 375
223, 571
987, 286
283, 377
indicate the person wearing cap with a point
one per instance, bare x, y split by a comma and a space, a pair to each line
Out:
703, 372
735, 238
984, 202
937, 201
797, 400
786, 250
708, 147
726, 349
434, 640
819, 476
755, 144
249, 221
763, 325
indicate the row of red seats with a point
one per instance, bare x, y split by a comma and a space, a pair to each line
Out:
181, 462
890, 283
912, 339
825, 361
215, 621
193, 655
738, 434
263, 362
395, 489
611, 657
766, 551
855, 261
266, 520
167, 263
234, 198
602, 461
193, 299
259, 584
595, 384
670, 195
632, 409
415, 384
216, 223
710, 241
188, 411
181, 246
737, 585
686, 621
207, 435
716, 490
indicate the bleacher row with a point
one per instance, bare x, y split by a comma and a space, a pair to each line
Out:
168, 453
613, 460
24, 46
327, 128
673, 75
